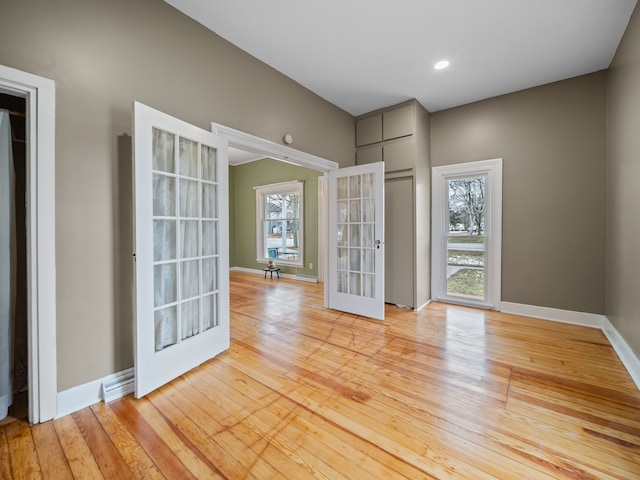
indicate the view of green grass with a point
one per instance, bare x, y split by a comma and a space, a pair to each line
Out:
466, 239
468, 281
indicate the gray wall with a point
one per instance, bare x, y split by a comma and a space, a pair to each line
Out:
552, 140
623, 187
103, 55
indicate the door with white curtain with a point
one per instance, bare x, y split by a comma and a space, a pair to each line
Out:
181, 247
356, 240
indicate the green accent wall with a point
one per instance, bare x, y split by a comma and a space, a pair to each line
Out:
242, 203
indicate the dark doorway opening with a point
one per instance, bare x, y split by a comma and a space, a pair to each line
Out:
20, 355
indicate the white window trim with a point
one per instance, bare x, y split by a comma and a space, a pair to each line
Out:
284, 187
493, 263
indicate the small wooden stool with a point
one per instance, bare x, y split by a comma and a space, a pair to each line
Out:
271, 270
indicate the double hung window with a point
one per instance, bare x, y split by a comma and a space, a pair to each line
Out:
279, 226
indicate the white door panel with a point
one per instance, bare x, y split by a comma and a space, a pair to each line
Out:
181, 243
356, 240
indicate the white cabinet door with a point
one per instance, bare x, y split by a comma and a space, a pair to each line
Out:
181, 243
356, 240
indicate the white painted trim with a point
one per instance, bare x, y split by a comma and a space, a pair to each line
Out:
251, 143
294, 186
281, 187
493, 263
557, 315
624, 351
323, 225
83, 396
325, 240
291, 276
423, 305
41, 260
629, 359
460, 301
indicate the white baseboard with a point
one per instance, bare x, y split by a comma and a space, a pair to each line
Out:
423, 305
624, 351
292, 276
555, 314
83, 396
629, 359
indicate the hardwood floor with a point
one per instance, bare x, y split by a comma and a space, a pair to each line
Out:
305, 392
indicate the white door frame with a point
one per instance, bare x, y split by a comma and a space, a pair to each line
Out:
251, 143
41, 265
440, 227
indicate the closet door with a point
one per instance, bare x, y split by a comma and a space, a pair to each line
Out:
181, 225
400, 262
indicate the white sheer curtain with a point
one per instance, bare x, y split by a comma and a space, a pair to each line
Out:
185, 238
7, 263
175, 265
164, 239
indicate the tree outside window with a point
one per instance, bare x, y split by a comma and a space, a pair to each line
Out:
467, 205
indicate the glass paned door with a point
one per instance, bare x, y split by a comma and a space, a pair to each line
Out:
181, 255
466, 237
356, 240
185, 269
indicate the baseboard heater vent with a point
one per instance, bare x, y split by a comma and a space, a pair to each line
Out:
118, 386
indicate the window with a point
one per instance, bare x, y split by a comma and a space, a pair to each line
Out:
279, 223
467, 233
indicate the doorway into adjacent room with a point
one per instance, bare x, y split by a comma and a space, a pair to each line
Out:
14, 351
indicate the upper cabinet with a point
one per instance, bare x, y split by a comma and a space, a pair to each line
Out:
387, 125
397, 135
369, 130
399, 122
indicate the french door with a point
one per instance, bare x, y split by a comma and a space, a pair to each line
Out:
181, 244
356, 240
467, 231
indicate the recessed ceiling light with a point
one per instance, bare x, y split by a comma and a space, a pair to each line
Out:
441, 64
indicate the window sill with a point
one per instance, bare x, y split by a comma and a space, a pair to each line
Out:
281, 263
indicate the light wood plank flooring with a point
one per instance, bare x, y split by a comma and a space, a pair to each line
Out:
306, 392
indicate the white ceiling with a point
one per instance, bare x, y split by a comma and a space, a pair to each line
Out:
366, 54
